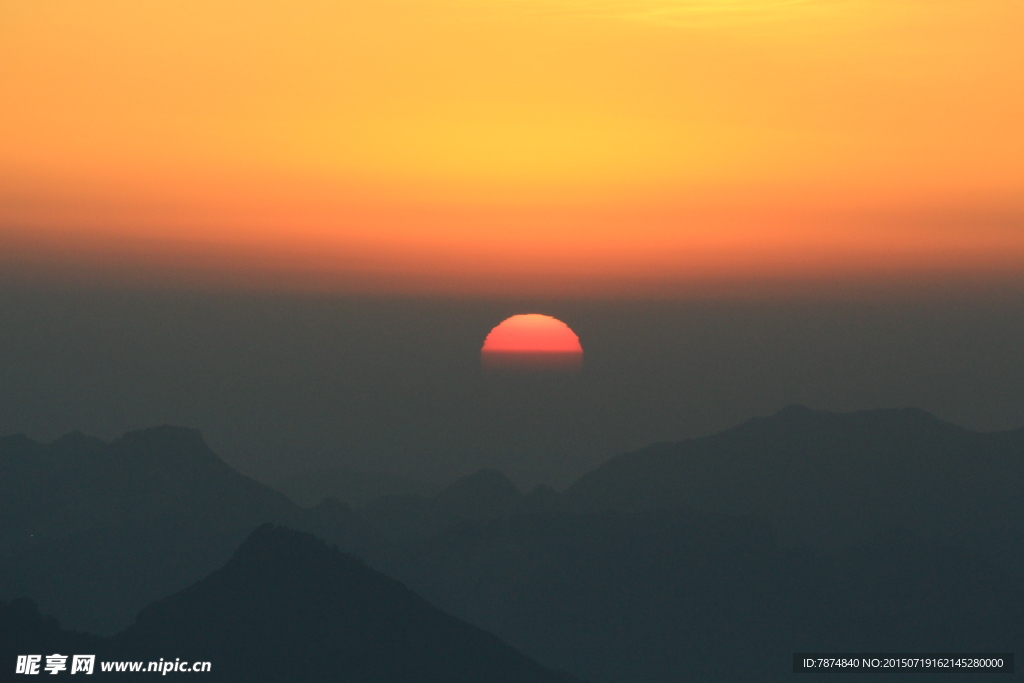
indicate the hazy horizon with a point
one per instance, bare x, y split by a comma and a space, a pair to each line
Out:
283, 383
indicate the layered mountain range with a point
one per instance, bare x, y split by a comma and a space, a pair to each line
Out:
715, 557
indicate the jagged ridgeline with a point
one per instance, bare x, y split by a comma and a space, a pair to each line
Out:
715, 557
94, 532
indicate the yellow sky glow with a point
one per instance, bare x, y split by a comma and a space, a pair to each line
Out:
498, 143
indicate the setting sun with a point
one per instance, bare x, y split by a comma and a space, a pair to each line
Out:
532, 341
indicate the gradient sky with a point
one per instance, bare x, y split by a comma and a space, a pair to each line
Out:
552, 147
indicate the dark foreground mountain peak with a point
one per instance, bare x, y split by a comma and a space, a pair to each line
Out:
287, 598
287, 607
94, 532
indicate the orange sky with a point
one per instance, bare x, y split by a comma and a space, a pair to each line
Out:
513, 146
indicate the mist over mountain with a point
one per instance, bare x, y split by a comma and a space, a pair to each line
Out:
832, 478
450, 341
286, 607
715, 557
286, 383
94, 531
820, 478
658, 595
806, 531
351, 486
485, 495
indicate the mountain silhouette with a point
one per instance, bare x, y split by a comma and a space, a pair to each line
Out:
833, 478
659, 596
412, 519
286, 607
24, 631
714, 558
353, 487
806, 531
93, 532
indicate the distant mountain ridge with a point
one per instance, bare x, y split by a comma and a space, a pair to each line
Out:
481, 496
899, 518
830, 478
827, 479
892, 521
353, 487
